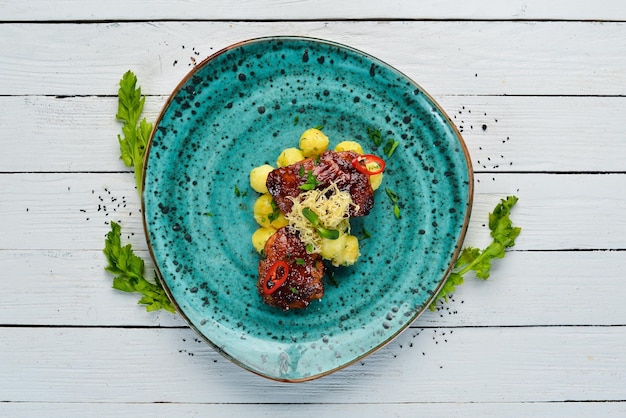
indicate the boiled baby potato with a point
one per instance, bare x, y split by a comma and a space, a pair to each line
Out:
258, 177
267, 214
260, 237
289, 156
349, 146
343, 251
350, 251
332, 248
313, 142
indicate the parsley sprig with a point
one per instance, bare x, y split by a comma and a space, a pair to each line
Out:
126, 267
128, 271
135, 133
503, 235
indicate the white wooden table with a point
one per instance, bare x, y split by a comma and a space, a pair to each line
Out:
538, 90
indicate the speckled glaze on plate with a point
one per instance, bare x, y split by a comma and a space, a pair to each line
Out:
239, 109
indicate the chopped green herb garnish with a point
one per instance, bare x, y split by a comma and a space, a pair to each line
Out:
311, 181
365, 234
301, 171
319, 127
327, 233
208, 214
275, 212
300, 261
375, 136
239, 193
315, 221
390, 147
311, 216
295, 120
392, 195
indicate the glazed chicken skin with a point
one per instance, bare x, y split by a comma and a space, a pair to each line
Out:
304, 272
331, 167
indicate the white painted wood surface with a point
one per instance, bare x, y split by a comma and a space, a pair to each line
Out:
545, 336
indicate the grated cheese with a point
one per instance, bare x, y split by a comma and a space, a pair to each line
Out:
331, 205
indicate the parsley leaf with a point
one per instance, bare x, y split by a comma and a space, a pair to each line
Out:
128, 271
311, 181
126, 267
135, 133
503, 235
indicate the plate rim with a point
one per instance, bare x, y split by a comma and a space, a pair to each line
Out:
459, 242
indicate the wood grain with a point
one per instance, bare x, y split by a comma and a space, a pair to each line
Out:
445, 58
70, 211
406, 409
101, 365
63, 10
503, 133
537, 89
526, 288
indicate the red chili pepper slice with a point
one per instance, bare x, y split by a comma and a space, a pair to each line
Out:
360, 163
275, 277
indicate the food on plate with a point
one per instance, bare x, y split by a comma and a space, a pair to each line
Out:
331, 167
349, 146
313, 142
266, 212
304, 214
289, 156
258, 177
289, 276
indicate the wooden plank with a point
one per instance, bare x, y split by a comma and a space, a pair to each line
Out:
399, 410
525, 289
555, 134
70, 288
70, 211
448, 57
63, 10
103, 365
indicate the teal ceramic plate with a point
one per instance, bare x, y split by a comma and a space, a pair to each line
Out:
239, 109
